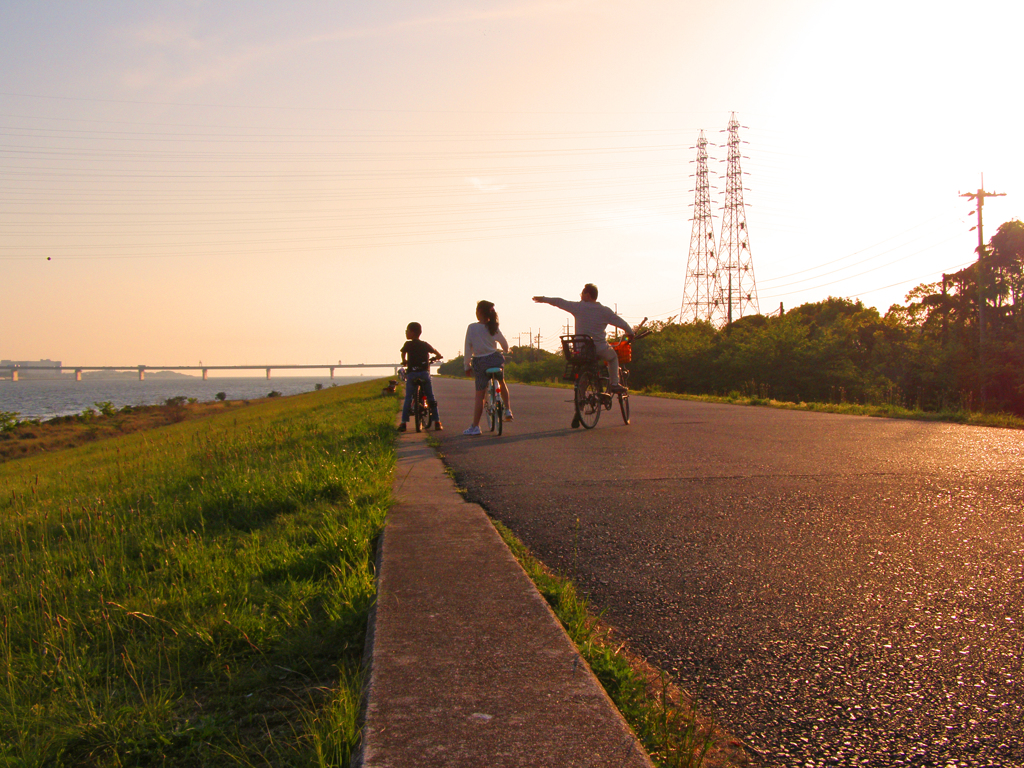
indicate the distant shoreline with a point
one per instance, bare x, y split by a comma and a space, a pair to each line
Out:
44, 376
133, 375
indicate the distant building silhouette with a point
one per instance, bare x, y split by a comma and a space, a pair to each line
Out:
7, 368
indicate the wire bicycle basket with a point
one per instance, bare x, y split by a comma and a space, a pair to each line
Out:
578, 349
579, 352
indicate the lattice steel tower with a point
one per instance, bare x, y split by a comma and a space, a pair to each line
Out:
735, 264
702, 296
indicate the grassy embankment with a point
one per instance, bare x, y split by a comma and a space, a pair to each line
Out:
195, 594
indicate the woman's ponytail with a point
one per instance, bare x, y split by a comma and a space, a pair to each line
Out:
486, 309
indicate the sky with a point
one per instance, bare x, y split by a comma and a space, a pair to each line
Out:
293, 182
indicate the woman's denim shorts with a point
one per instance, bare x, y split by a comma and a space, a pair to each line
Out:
480, 366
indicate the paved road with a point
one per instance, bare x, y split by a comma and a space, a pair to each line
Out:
841, 590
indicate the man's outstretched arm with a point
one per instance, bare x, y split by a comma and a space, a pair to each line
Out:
555, 302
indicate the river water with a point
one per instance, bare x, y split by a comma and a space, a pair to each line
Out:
46, 398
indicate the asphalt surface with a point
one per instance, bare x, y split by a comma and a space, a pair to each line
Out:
839, 590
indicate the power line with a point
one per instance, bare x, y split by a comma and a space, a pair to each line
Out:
868, 271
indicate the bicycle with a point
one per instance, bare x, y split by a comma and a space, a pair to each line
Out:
420, 407
494, 407
422, 414
590, 391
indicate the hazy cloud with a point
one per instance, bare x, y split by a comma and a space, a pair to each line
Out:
486, 185
174, 59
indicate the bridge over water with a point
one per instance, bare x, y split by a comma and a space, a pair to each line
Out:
14, 369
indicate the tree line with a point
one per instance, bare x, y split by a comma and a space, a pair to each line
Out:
954, 345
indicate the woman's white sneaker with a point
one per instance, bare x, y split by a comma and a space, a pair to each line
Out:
472, 431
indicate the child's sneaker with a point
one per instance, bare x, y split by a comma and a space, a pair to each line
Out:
472, 431
401, 427
437, 426
508, 415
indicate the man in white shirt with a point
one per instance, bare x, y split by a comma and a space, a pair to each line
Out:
592, 319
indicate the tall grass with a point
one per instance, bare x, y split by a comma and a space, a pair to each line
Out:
196, 594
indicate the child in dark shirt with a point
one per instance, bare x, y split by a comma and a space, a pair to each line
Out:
416, 356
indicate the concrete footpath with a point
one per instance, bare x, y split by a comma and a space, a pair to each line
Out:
469, 666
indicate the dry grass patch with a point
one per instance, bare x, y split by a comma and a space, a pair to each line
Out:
31, 437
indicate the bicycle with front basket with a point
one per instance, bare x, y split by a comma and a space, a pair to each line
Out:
590, 390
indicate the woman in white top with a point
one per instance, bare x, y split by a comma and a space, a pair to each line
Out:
482, 341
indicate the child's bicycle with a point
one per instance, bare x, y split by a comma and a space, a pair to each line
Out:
421, 412
493, 404
420, 407
590, 392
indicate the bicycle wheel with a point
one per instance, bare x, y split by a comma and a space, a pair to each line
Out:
417, 409
490, 406
624, 407
499, 410
588, 399
428, 417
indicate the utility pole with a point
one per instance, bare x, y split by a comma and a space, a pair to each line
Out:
740, 296
945, 309
702, 294
979, 197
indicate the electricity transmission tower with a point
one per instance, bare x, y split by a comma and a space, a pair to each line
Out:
702, 295
735, 263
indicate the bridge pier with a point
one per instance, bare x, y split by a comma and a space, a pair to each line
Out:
78, 374
268, 373
205, 374
332, 373
14, 375
142, 373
